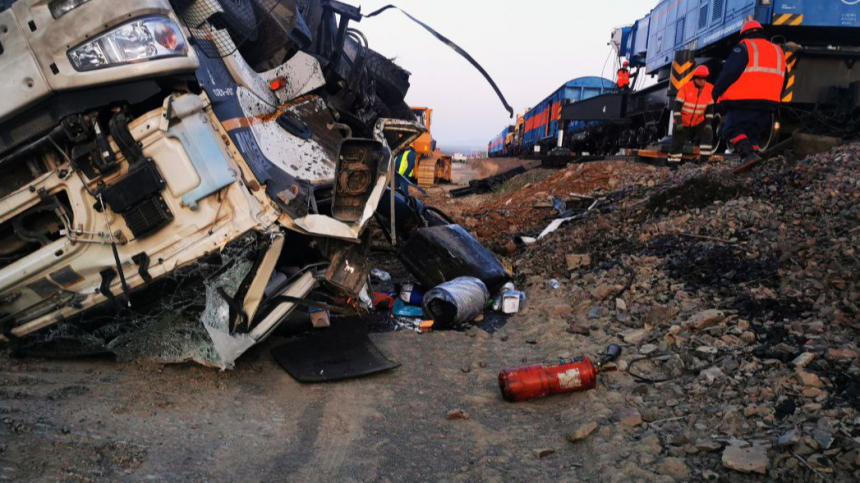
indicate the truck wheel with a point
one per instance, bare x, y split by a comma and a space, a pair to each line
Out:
399, 110
239, 19
392, 82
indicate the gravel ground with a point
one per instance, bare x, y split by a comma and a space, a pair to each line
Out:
735, 301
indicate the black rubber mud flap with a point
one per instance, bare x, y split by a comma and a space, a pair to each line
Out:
343, 351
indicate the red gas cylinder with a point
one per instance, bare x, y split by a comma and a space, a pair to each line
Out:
533, 382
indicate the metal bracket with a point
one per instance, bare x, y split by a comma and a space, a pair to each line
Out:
108, 276
235, 307
142, 262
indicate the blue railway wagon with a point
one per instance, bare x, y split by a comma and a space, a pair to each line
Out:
496, 148
543, 122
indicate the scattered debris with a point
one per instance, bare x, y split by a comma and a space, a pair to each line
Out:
457, 414
582, 432
739, 294
542, 452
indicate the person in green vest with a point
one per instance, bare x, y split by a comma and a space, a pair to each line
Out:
406, 163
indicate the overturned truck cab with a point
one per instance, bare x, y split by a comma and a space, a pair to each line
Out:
169, 189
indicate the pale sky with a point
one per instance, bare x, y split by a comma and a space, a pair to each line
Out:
530, 48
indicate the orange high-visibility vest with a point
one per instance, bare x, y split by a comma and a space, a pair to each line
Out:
623, 78
764, 76
695, 103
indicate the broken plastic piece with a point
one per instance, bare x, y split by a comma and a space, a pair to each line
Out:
380, 275
411, 294
401, 309
320, 318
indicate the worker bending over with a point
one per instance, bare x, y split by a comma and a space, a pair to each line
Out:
694, 116
623, 76
749, 90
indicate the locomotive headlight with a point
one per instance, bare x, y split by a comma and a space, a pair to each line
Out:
144, 39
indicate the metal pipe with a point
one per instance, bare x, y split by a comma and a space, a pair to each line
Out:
125, 289
391, 173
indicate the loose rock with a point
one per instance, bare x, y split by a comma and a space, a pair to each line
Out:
752, 459
456, 414
582, 432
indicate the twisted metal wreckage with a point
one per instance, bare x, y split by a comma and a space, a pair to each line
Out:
171, 163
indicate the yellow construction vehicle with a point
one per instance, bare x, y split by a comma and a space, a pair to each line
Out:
431, 166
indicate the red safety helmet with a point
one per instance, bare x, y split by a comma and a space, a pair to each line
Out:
626, 64
751, 25
702, 71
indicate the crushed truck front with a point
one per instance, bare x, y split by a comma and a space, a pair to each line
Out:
162, 181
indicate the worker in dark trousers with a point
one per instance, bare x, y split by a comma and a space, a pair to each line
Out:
694, 116
406, 163
749, 90
623, 77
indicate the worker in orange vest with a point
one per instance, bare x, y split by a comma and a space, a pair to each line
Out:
624, 77
749, 90
694, 115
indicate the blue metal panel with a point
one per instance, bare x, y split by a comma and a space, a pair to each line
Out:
696, 24
819, 13
692, 24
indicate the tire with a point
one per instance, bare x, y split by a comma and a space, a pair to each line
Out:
240, 19
392, 82
400, 110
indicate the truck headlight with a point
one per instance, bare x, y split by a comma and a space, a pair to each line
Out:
143, 39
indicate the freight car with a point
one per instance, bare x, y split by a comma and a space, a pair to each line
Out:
543, 125
822, 44
539, 129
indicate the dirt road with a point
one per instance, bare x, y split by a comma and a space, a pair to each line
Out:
97, 419
747, 364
